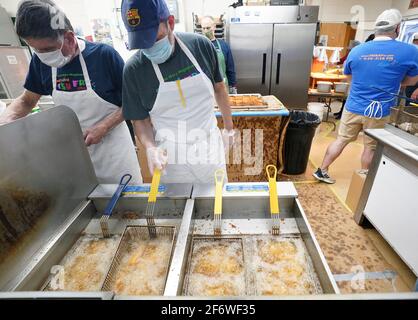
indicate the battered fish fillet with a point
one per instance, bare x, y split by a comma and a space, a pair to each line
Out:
142, 270
217, 269
280, 288
275, 251
293, 269
83, 276
220, 290
95, 246
148, 252
214, 261
276, 289
86, 269
274, 285
288, 281
245, 101
144, 290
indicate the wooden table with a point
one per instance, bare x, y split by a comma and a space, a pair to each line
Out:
262, 130
319, 76
327, 99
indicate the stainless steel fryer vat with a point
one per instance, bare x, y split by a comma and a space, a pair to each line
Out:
245, 212
46, 153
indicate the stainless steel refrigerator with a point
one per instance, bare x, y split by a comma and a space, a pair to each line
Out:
14, 66
272, 47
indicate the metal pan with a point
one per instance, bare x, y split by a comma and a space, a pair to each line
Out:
140, 266
220, 282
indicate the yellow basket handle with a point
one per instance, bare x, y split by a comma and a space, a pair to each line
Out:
274, 201
219, 181
154, 186
269, 175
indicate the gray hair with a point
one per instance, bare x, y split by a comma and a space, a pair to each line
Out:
353, 44
386, 31
41, 19
209, 17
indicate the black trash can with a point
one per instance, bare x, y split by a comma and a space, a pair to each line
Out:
298, 143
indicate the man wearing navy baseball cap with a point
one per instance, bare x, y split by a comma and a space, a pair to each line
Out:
170, 89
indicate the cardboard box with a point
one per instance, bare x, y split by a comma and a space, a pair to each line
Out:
355, 190
143, 162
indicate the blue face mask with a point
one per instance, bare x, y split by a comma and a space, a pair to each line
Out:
160, 52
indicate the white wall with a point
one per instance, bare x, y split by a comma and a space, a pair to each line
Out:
10, 6
403, 6
75, 10
80, 11
340, 10
330, 11
204, 7
365, 11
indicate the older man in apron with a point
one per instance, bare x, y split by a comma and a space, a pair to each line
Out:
226, 60
81, 75
115, 154
178, 79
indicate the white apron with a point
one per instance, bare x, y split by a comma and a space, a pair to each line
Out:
115, 155
184, 120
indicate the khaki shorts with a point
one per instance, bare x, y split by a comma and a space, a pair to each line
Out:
352, 124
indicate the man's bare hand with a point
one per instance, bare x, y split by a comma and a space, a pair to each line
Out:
6, 118
3, 120
94, 135
20, 107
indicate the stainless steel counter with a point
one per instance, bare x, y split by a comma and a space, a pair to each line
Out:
191, 214
394, 138
46, 153
388, 200
42, 154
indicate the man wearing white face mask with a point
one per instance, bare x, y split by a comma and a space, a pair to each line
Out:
84, 76
169, 91
382, 64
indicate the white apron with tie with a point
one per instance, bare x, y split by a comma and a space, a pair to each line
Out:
184, 121
115, 155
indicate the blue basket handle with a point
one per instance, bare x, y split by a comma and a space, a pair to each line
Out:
116, 196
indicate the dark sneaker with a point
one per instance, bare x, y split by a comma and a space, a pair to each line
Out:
324, 177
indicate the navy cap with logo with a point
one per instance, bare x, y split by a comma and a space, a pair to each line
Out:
142, 19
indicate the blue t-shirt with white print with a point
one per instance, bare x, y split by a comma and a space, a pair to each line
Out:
381, 64
104, 65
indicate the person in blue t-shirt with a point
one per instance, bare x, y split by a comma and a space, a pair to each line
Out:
226, 60
83, 76
374, 68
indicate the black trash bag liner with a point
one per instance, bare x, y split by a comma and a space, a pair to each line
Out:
304, 119
298, 143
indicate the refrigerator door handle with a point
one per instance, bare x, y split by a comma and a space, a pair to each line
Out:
263, 79
279, 60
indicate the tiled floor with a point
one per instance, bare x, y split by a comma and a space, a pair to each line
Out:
347, 247
342, 170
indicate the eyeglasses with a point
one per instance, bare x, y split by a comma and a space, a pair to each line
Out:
51, 49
